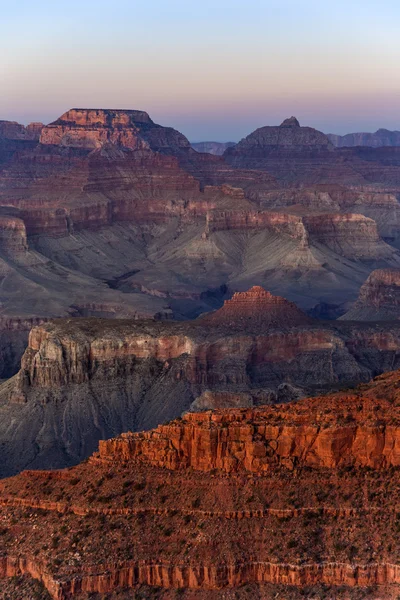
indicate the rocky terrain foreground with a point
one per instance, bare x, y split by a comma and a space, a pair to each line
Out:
105, 213
83, 380
283, 501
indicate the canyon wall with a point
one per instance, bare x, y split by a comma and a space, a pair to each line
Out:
109, 376
255, 500
248, 440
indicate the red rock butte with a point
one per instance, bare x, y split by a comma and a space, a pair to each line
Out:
259, 307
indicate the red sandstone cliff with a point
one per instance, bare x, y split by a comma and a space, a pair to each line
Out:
260, 308
253, 501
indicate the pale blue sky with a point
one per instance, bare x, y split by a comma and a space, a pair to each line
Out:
214, 69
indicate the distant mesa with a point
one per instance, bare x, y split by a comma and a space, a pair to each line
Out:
257, 307
11, 130
288, 135
378, 139
91, 128
94, 117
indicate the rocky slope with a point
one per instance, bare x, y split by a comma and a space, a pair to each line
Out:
82, 380
295, 500
379, 298
381, 137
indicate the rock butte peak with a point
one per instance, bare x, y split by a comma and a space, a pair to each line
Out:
92, 128
257, 292
107, 117
260, 307
289, 135
290, 122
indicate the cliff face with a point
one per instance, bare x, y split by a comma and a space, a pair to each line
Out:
257, 441
104, 377
92, 128
350, 235
379, 298
118, 216
11, 130
288, 135
255, 502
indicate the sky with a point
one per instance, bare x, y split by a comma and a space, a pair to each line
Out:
213, 69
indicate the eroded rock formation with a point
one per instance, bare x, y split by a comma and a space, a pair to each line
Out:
379, 298
103, 377
249, 501
260, 308
119, 217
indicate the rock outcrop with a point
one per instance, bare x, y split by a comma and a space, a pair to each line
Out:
351, 235
93, 128
302, 155
254, 501
379, 298
257, 308
288, 135
11, 130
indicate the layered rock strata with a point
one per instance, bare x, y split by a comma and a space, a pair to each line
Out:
103, 186
252, 502
379, 298
104, 377
118, 216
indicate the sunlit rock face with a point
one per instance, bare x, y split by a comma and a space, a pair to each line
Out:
106, 376
248, 502
92, 128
